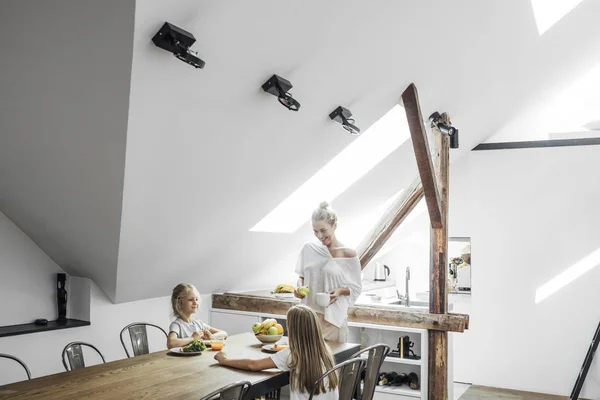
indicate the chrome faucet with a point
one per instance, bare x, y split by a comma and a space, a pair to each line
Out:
406, 297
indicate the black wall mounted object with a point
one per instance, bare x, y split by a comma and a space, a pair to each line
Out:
278, 86
61, 296
178, 41
342, 115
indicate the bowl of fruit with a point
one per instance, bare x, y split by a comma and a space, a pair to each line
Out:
269, 331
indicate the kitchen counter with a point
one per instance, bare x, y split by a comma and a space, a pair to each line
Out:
263, 301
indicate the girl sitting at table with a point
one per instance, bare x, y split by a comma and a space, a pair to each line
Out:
307, 357
185, 301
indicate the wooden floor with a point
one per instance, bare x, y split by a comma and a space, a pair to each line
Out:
483, 393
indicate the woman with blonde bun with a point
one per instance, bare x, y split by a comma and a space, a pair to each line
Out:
328, 266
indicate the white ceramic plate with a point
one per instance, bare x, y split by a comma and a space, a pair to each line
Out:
270, 348
179, 351
284, 295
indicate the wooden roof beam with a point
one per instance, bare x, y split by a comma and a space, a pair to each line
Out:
410, 98
389, 222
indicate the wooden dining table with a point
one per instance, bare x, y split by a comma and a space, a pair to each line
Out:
162, 375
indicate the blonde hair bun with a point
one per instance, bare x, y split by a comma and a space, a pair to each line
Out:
324, 204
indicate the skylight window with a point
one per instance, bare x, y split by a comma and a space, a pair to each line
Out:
549, 12
368, 150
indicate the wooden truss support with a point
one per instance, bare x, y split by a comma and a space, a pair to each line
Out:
370, 314
388, 223
434, 175
410, 98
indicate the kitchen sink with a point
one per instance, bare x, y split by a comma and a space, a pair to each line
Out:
413, 303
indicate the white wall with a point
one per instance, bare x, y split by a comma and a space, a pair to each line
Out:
28, 291
26, 270
531, 214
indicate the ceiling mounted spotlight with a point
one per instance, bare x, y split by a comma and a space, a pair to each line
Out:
279, 87
439, 122
178, 42
342, 115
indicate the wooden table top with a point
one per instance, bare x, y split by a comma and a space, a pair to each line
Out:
159, 375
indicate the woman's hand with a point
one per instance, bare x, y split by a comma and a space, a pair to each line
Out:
297, 294
220, 356
335, 293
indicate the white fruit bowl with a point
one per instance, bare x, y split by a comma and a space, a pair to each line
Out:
268, 338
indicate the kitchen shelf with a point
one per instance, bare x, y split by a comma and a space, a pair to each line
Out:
396, 360
398, 390
23, 329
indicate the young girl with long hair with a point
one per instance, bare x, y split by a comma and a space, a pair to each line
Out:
185, 301
307, 357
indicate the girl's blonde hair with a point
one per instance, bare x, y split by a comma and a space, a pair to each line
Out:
178, 292
325, 213
310, 356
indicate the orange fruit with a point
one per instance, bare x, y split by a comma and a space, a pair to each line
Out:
279, 329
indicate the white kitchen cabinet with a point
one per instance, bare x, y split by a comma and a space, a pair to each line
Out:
233, 322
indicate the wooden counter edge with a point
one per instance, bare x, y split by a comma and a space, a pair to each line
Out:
360, 314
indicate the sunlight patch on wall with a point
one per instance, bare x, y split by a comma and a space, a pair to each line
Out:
368, 150
549, 12
567, 276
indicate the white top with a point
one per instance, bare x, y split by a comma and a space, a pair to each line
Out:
186, 329
282, 361
323, 273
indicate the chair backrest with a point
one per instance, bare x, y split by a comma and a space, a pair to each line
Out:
376, 355
234, 391
73, 353
348, 377
2, 355
139, 337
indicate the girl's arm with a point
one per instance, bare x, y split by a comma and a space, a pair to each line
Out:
245, 363
223, 334
174, 341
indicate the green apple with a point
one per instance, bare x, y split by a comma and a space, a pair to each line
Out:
272, 331
256, 327
304, 291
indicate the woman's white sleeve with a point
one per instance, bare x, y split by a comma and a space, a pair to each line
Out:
354, 281
300, 263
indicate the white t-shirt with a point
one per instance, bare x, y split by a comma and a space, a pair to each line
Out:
282, 361
186, 329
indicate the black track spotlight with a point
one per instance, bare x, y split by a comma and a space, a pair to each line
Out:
178, 42
279, 87
342, 115
438, 122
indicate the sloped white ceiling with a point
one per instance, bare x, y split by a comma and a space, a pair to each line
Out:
208, 153
64, 92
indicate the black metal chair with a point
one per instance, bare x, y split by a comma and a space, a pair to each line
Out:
376, 356
139, 337
349, 373
2, 355
73, 353
234, 391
